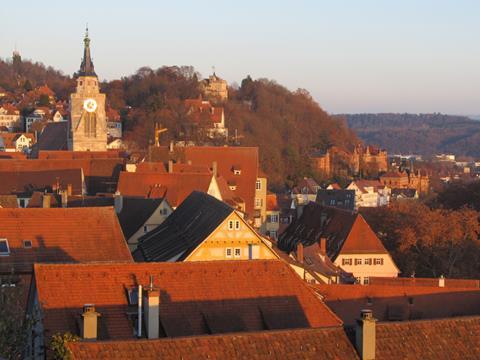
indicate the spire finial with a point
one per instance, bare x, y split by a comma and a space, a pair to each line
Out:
86, 68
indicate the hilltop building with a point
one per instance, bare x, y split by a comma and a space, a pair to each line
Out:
215, 88
364, 160
87, 108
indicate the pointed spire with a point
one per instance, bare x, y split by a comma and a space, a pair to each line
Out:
86, 68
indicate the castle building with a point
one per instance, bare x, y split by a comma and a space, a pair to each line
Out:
87, 108
215, 88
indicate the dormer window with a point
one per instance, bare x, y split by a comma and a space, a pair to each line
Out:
232, 185
4, 248
27, 244
236, 170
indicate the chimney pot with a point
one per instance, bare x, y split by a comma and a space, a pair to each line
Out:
214, 168
170, 166
89, 322
365, 335
151, 311
69, 189
323, 246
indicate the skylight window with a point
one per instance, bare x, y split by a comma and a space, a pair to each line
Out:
4, 248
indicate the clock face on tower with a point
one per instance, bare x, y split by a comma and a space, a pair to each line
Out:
90, 105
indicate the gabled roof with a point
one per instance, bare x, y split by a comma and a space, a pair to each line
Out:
195, 296
228, 158
197, 107
148, 167
345, 231
323, 343
400, 303
135, 212
61, 235
54, 136
177, 185
184, 230
10, 138
26, 182
363, 184
101, 174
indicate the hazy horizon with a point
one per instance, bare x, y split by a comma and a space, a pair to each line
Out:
353, 57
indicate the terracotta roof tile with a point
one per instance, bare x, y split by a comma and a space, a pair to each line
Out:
400, 302
345, 231
151, 167
177, 185
61, 235
227, 157
101, 175
322, 343
189, 290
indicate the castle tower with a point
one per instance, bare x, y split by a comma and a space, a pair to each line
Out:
87, 108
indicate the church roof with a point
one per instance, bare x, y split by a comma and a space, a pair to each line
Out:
86, 67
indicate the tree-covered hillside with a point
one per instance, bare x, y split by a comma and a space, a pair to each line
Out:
286, 125
425, 134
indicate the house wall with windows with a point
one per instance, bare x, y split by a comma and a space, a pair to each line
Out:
234, 239
363, 266
156, 219
260, 202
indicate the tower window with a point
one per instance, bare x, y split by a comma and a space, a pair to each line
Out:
81, 83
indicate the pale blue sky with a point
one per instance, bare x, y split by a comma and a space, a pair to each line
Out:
353, 56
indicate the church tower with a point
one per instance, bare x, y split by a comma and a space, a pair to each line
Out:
87, 108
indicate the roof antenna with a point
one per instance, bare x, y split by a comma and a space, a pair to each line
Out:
213, 69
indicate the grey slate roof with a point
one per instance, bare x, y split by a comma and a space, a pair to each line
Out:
54, 136
186, 228
135, 212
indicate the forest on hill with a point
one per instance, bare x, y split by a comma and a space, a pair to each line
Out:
286, 125
424, 134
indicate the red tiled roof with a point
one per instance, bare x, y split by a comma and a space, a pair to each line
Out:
148, 167
189, 291
362, 239
457, 338
362, 184
345, 231
323, 343
25, 182
69, 155
188, 168
61, 235
9, 138
112, 115
400, 302
197, 107
10, 109
228, 157
177, 185
99, 173
12, 155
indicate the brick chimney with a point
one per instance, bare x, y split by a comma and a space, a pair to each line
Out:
170, 166
365, 337
151, 311
46, 201
300, 252
89, 322
214, 168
